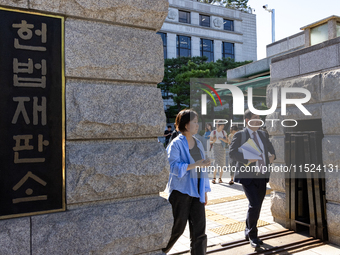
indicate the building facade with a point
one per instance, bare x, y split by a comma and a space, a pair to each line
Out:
193, 29
199, 29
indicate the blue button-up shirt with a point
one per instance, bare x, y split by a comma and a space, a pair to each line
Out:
179, 178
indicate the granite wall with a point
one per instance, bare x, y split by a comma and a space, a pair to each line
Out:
115, 168
317, 69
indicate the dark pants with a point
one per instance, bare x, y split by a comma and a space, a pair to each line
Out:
255, 193
186, 208
233, 166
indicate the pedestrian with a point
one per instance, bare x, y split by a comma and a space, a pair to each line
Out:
218, 141
208, 129
253, 182
174, 134
187, 186
232, 164
167, 134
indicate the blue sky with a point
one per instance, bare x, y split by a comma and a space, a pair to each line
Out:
290, 16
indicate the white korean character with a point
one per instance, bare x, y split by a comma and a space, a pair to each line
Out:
18, 147
25, 33
28, 68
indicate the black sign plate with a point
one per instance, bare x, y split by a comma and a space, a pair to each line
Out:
32, 116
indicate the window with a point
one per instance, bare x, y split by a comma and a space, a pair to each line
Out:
228, 24
163, 35
228, 50
184, 17
204, 20
319, 34
183, 46
207, 49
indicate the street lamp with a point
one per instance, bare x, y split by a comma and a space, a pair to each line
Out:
273, 20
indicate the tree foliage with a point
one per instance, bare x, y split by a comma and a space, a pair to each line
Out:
179, 71
241, 5
209, 1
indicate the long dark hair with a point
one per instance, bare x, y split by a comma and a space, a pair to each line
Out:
183, 118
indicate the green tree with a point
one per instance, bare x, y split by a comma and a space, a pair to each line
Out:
177, 74
173, 67
241, 5
183, 91
181, 87
225, 64
209, 1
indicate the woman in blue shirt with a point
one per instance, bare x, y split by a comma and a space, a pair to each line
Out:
188, 187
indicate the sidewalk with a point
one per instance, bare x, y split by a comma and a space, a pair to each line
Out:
226, 213
225, 216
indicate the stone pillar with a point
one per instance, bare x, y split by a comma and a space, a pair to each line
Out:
331, 150
314, 69
171, 45
195, 46
307, 37
217, 50
332, 28
238, 26
115, 168
195, 18
239, 52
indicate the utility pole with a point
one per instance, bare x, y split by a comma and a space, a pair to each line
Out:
273, 20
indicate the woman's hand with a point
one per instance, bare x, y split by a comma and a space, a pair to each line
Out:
206, 198
203, 163
199, 163
271, 159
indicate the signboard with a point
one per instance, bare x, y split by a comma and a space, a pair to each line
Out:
32, 116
